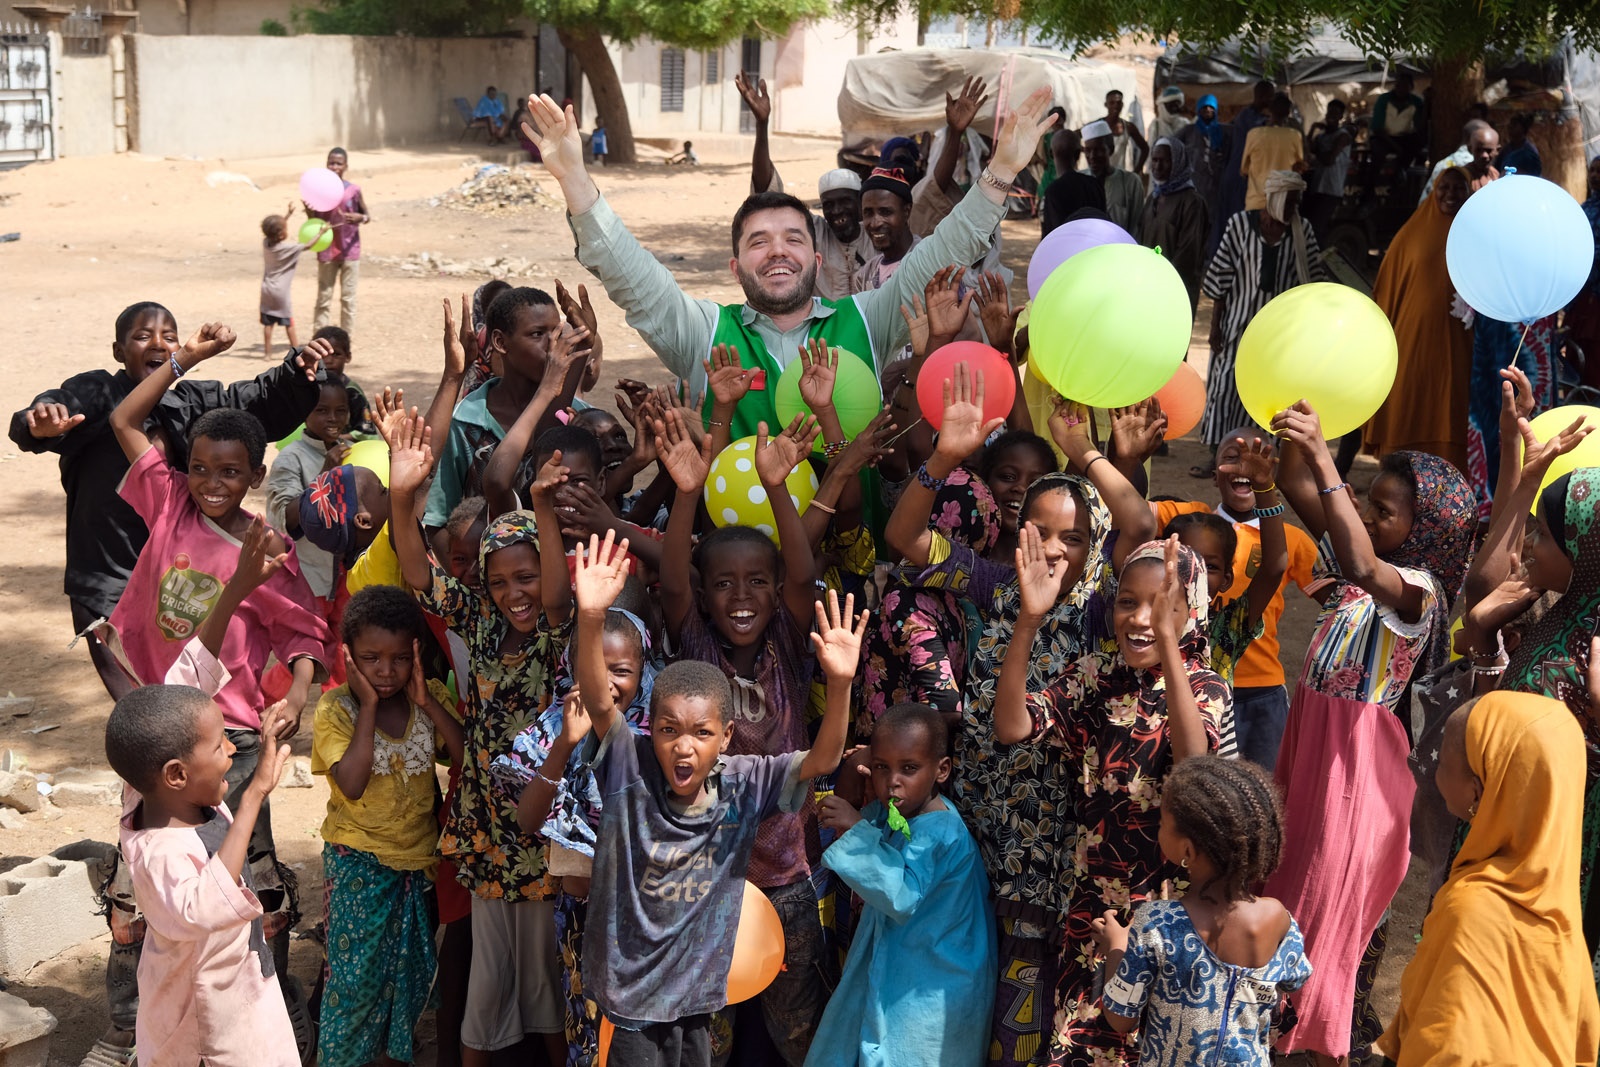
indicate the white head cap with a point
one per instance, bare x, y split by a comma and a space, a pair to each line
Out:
1097, 128
834, 180
1172, 92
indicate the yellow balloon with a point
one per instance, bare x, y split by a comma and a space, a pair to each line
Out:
1552, 422
736, 497
373, 455
1323, 343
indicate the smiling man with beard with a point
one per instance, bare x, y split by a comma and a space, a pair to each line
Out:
775, 261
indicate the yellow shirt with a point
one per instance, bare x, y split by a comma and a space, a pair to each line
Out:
395, 818
378, 565
1266, 149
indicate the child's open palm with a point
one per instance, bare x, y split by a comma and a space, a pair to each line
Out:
410, 456
1171, 607
602, 572
1038, 580
838, 645
258, 561
947, 307
456, 338
688, 462
777, 458
820, 369
916, 315
417, 687
1137, 431
1069, 428
727, 380
567, 350
575, 722
963, 430
361, 689
1537, 456
310, 357
1257, 461
995, 310
276, 724
389, 413
47, 420
555, 131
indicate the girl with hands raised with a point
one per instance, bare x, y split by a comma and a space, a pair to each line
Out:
1117, 723
1386, 577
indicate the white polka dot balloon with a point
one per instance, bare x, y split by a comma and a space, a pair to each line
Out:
734, 493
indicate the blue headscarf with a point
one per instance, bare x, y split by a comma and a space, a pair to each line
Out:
1211, 128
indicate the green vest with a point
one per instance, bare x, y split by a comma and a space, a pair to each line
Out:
845, 329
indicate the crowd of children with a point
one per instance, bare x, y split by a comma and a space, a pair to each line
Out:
995, 739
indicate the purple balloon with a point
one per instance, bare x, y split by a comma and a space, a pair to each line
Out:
1066, 241
321, 189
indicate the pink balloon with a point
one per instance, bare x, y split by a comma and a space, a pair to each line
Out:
1066, 241
999, 380
321, 189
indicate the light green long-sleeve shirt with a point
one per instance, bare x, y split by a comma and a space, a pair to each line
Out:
679, 328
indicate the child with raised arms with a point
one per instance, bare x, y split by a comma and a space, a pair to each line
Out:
679, 824
1209, 972
918, 985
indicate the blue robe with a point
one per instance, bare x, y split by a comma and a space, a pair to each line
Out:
918, 985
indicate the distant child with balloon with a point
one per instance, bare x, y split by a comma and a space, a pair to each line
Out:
328, 196
683, 816
282, 257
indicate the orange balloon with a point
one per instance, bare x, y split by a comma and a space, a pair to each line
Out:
605, 1040
1183, 399
757, 947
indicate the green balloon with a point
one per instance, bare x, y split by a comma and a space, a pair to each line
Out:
1110, 325
856, 396
310, 231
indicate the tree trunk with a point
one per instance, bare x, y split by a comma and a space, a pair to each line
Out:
609, 100
1457, 84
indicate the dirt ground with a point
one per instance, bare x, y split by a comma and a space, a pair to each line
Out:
99, 234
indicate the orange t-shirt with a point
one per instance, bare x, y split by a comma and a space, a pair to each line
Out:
1260, 665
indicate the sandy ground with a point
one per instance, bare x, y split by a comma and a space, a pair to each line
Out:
98, 234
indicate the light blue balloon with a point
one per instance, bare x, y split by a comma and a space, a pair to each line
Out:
1520, 248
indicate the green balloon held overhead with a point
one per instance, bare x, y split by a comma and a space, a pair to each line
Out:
1110, 326
856, 396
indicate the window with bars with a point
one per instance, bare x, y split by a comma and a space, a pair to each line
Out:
713, 67
672, 79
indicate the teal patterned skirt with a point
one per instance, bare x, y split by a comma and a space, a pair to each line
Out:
381, 959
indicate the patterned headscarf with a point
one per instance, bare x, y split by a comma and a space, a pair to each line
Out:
512, 528
327, 512
890, 180
1553, 656
965, 512
1192, 574
1182, 176
1444, 521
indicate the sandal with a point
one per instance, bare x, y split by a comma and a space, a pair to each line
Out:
300, 1020
104, 1054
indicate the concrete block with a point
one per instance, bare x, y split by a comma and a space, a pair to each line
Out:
24, 1033
297, 774
19, 790
50, 904
76, 788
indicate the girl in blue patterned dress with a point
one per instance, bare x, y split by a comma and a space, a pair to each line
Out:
1204, 978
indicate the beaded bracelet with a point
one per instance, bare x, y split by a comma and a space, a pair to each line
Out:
834, 448
928, 481
1333, 488
546, 779
1269, 513
177, 368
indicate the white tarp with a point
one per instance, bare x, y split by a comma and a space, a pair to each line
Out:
902, 93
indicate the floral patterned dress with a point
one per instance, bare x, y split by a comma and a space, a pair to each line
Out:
1109, 721
507, 689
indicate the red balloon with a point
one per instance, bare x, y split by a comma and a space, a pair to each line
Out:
1183, 399
999, 380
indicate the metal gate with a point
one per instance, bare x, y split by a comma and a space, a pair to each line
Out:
26, 132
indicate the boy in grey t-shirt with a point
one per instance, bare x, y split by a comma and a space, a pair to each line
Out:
678, 824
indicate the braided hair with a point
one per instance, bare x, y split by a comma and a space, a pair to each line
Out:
1232, 813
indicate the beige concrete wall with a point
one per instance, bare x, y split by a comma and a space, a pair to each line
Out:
708, 106
85, 123
810, 66
260, 96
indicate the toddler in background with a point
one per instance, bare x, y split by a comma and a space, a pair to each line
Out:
916, 868
321, 447
597, 141
277, 277
334, 363
1209, 972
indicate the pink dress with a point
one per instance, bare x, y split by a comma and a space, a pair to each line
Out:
1347, 794
176, 583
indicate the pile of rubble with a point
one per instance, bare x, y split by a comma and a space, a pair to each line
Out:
497, 190
432, 264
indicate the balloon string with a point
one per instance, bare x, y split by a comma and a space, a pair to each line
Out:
902, 433
1520, 341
